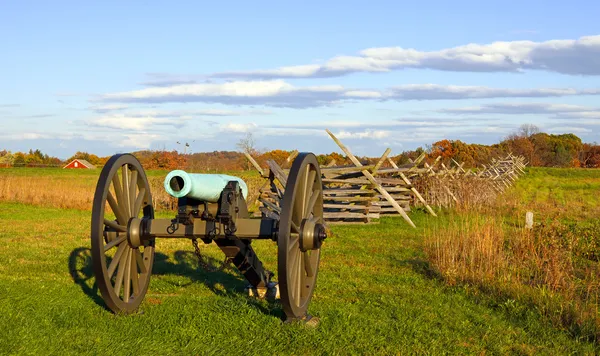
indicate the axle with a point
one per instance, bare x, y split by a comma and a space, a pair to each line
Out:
237, 248
202, 229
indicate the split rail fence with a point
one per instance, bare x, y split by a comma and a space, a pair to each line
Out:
361, 193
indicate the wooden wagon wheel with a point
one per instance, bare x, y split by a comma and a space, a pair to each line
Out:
122, 264
301, 233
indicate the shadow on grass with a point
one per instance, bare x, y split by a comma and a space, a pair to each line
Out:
220, 282
227, 282
82, 273
422, 267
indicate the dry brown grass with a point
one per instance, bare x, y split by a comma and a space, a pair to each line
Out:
48, 191
551, 268
471, 192
77, 192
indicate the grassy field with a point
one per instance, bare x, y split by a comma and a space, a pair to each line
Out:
74, 188
378, 289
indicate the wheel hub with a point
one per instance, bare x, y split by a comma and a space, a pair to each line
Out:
312, 234
133, 232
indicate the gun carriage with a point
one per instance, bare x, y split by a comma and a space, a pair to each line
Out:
211, 208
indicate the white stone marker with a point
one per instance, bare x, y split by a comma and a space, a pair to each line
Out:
529, 220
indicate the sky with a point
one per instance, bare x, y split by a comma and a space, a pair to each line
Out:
114, 76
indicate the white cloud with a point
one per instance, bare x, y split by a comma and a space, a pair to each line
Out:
239, 88
594, 116
518, 108
278, 93
454, 92
371, 134
238, 127
363, 94
572, 56
194, 113
138, 140
108, 108
569, 129
24, 136
134, 123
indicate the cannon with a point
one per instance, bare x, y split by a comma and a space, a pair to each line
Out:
211, 208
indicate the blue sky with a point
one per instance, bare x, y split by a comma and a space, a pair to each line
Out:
119, 76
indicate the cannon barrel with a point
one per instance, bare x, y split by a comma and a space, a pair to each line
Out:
201, 186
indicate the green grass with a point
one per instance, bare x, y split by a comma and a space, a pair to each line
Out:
563, 184
568, 194
374, 295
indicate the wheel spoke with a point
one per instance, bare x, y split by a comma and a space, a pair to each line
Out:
121, 271
305, 188
115, 225
126, 195
132, 191
116, 259
134, 275
116, 208
118, 188
303, 281
127, 288
308, 265
298, 208
114, 243
295, 227
309, 188
292, 267
299, 274
140, 261
138, 202
294, 243
311, 203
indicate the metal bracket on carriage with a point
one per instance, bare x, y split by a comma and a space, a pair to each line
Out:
269, 292
228, 207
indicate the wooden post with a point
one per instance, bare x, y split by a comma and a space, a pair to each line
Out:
392, 163
417, 194
408, 183
291, 157
381, 160
254, 163
448, 191
278, 172
419, 159
372, 179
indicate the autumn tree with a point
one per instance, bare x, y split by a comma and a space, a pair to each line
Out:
528, 130
19, 159
247, 144
589, 157
6, 158
92, 158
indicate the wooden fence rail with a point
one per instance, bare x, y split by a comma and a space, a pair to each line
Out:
363, 192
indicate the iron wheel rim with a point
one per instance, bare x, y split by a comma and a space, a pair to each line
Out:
297, 269
130, 268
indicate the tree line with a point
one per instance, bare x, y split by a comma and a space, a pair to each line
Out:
539, 148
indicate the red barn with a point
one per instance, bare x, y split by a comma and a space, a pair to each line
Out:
80, 163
